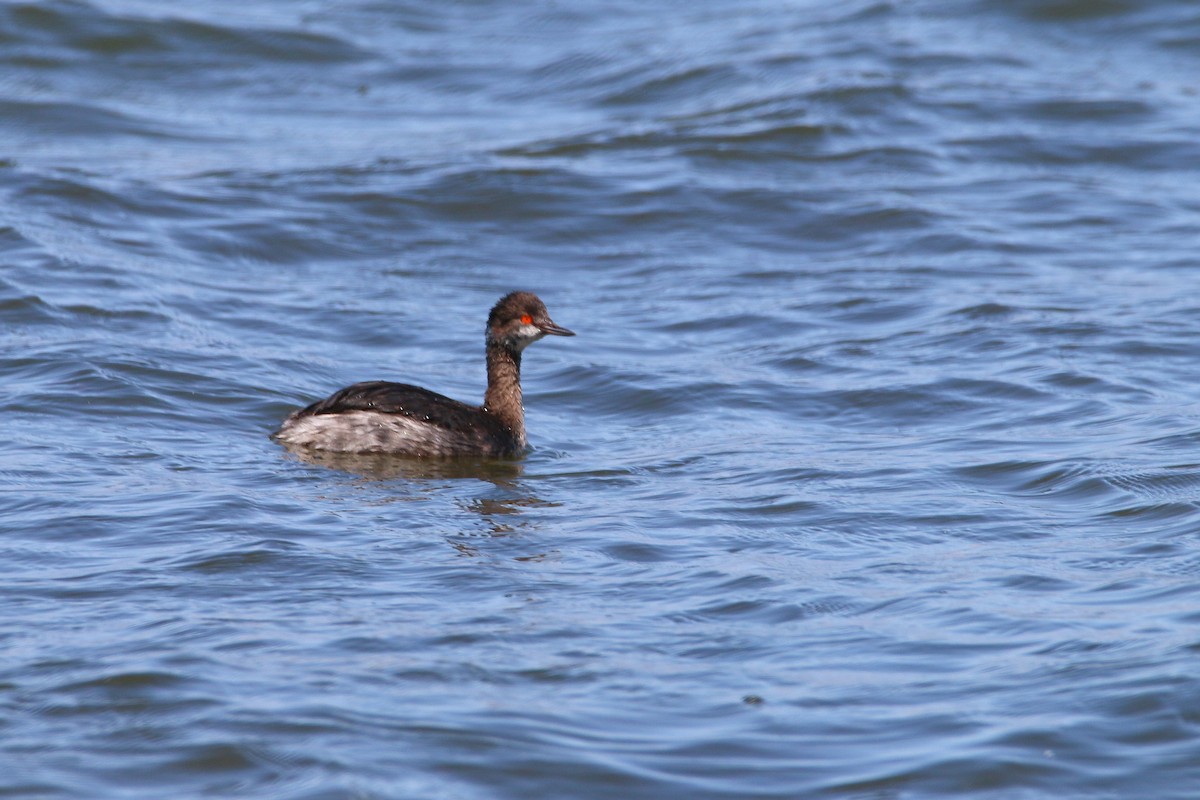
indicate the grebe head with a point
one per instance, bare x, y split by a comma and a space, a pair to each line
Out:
520, 319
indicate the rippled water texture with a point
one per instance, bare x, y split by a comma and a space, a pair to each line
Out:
871, 474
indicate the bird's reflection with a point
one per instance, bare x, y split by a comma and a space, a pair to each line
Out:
384, 466
499, 508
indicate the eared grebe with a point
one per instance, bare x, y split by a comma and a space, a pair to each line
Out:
383, 417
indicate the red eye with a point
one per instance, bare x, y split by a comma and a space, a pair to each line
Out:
526, 319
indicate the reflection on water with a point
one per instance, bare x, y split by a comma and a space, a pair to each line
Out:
499, 504
385, 466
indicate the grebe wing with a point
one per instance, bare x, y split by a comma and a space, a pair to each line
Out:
386, 397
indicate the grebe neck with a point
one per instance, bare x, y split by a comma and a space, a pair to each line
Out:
503, 397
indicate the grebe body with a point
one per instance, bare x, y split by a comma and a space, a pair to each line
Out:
396, 418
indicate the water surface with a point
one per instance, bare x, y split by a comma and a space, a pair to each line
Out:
871, 473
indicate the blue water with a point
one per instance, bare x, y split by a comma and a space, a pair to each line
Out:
871, 474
